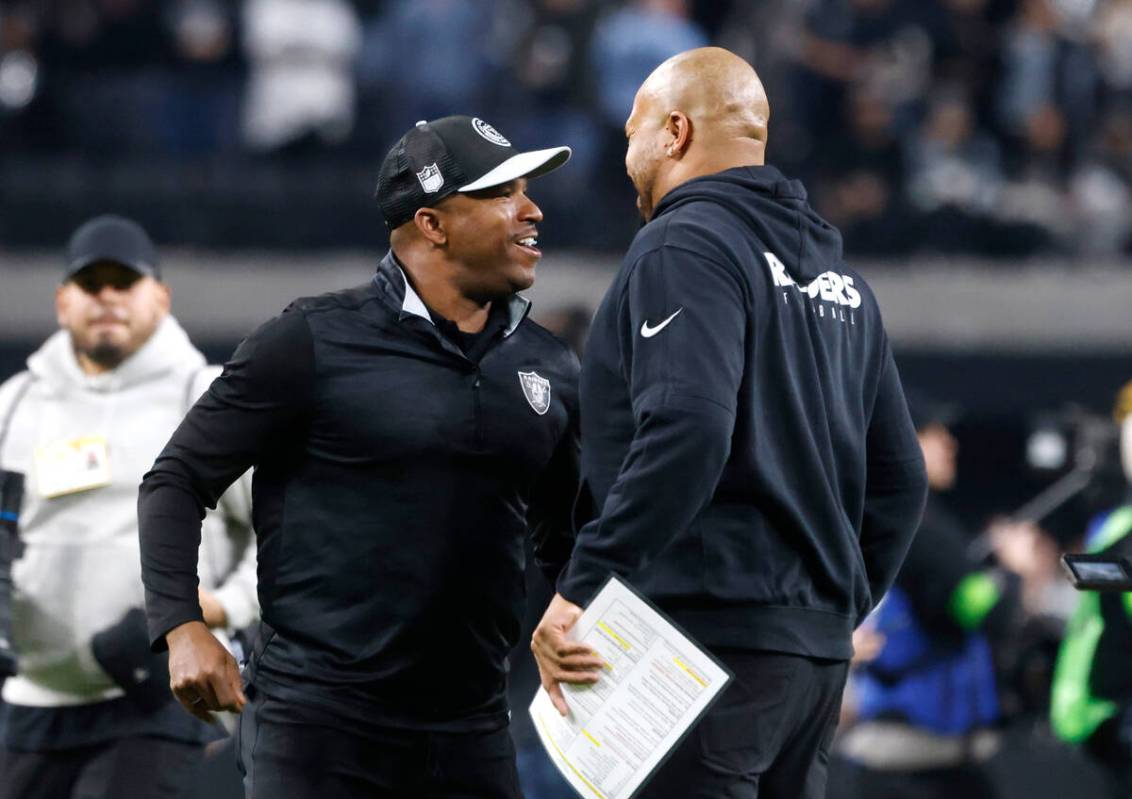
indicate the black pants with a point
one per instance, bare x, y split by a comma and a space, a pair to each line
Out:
284, 759
768, 736
135, 768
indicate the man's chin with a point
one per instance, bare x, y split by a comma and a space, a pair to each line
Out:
523, 281
106, 354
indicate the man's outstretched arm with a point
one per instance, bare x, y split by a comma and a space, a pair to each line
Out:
260, 400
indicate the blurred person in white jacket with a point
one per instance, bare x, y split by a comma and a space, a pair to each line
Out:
89, 712
301, 72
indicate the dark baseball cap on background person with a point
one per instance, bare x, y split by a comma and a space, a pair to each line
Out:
449, 155
113, 239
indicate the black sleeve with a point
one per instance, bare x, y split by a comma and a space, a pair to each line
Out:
122, 650
896, 484
550, 516
684, 377
937, 562
262, 394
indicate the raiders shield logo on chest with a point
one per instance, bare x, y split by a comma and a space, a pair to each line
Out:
537, 391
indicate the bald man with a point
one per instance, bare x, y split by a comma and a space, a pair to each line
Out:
745, 438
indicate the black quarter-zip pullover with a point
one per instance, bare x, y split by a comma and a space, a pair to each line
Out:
394, 481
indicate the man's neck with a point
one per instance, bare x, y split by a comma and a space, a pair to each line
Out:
441, 296
710, 160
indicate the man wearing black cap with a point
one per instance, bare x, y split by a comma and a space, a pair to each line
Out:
88, 712
405, 433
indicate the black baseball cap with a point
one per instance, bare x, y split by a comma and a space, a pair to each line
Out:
114, 239
457, 153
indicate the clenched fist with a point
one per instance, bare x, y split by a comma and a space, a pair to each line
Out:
202, 673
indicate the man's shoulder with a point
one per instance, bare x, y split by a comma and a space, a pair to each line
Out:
651, 237
13, 381
698, 228
12, 387
341, 300
305, 319
549, 345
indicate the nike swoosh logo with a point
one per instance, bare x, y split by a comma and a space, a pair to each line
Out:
649, 332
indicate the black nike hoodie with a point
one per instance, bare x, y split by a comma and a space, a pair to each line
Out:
746, 442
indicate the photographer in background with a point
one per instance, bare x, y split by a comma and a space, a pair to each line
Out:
927, 703
1091, 704
89, 712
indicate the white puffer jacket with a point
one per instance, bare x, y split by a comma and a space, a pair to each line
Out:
80, 569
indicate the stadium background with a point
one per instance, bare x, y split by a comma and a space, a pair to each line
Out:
977, 154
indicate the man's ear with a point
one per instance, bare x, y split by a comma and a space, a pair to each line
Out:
431, 226
61, 304
679, 127
164, 297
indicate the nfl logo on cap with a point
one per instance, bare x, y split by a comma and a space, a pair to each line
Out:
431, 179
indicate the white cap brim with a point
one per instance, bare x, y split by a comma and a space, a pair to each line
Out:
524, 165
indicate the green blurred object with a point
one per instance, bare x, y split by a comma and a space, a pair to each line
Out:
1075, 712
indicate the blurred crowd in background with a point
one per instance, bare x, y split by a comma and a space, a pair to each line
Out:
999, 128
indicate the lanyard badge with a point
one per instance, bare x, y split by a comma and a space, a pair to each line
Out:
68, 467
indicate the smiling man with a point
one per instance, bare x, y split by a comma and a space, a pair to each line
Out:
406, 434
88, 712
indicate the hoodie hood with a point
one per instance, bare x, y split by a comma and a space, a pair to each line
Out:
776, 211
168, 349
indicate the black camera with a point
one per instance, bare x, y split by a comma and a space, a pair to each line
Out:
11, 498
1082, 451
1098, 572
